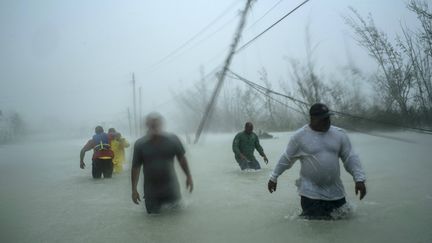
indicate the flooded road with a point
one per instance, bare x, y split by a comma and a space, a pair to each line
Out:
45, 197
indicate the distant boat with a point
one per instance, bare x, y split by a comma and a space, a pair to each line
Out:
264, 135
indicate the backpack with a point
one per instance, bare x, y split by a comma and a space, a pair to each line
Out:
101, 142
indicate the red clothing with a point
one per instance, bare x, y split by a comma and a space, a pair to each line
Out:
99, 154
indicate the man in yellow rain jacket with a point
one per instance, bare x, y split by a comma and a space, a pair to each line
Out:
118, 145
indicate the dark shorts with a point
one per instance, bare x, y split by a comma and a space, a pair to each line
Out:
251, 164
102, 167
319, 209
155, 204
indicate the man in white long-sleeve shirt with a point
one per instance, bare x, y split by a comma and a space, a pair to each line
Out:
319, 146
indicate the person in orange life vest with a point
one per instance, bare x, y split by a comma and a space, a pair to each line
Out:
102, 154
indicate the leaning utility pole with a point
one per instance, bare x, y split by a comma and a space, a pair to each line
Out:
221, 76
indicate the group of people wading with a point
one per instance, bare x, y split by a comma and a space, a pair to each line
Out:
108, 152
318, 145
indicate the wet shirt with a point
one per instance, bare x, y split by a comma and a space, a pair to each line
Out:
98, 154
246, 144
319, 154
157, 159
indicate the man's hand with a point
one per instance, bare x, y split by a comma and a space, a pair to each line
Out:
82, 164
360, 187
265, 159
271, 186
242, 157
136, 197
189, 183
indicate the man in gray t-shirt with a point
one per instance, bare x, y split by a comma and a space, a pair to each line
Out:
155, 152
319, 146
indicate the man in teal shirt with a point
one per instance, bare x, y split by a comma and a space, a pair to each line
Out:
243, 147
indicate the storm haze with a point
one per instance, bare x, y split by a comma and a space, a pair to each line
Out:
71, 63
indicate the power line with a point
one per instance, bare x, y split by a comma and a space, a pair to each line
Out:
219, 53
172, 53
187, 42
265, 14
181, 47
266, 89
214, 32
271, 26
206, 76
201, 42
247, 29
250, 83
224, 71
266, 94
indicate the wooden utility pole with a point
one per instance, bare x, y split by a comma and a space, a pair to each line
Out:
221, 76
134, 105
130, 122
140, 120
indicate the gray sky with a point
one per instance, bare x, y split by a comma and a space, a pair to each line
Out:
71, 61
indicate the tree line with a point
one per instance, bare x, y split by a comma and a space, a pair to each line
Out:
12, 127
401, 87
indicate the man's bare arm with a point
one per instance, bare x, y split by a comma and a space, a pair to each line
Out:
185, 167
135, 172
86, 148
